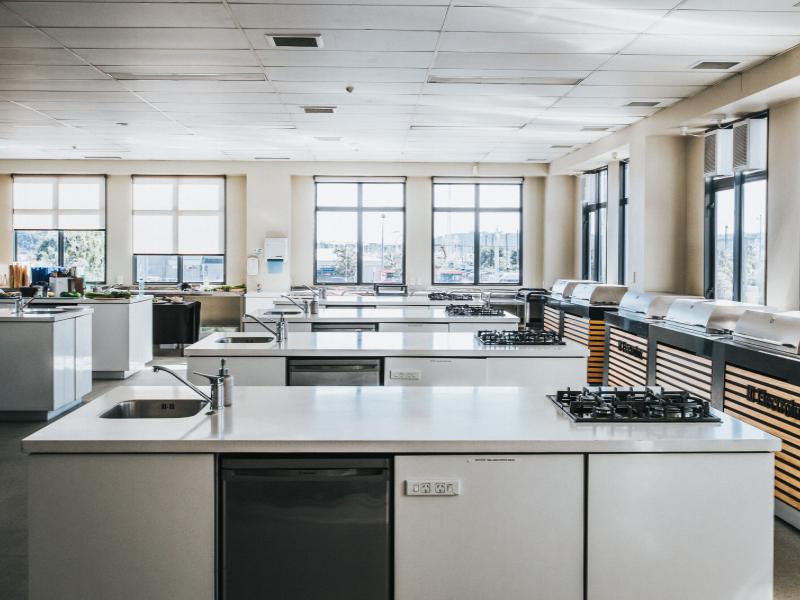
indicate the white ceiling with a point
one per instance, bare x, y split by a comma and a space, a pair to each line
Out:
57, 99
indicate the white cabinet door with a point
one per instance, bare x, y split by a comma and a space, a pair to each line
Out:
513, 532
246, 370
83, 356
299, 327
399, 370
688, 526
475, 327
413, 327
63, 363
546, 374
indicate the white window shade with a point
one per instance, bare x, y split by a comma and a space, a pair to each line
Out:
179, 215
59, 202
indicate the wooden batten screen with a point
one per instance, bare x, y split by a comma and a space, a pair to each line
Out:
773, 406
590, 333
552, 320
627, 358
684, 370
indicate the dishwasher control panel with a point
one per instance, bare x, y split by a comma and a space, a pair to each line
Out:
433, 487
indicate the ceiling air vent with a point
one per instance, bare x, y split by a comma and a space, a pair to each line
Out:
505, 80
595, 128
750, 145
561, 146
715, 65
642, 104
294, 40
319, 110
718, 153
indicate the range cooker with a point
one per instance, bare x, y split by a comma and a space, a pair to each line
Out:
635, 404
473, 310
525, 337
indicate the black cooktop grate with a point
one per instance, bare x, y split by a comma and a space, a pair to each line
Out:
479, 310
642, 405
440, 296
526, 337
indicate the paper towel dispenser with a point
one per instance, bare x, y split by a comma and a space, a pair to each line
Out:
276, 248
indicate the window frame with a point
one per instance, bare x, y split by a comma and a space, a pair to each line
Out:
359, 209
736, 182
55, 210
176, 213
586, 210
477, 210
624, 201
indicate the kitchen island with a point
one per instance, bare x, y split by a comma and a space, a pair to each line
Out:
122, 338
421, 359
411, 319
532, 505
46, 367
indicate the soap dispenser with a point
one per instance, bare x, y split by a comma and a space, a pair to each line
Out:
227, 399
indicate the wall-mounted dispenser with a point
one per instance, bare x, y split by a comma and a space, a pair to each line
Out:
277, 253
254, 262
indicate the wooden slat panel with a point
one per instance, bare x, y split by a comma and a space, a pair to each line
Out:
552, 320
589, 333
700, 363
625, 369
772, 405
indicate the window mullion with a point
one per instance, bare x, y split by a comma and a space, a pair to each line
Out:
476, 256
359, 233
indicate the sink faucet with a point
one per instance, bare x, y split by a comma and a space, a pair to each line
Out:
279, 332
21, 303
302, 307
487, 299
217, 386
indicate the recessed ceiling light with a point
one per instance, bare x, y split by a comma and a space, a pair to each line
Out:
328, 138
536, 160
507, 80
121, 124
465, 127
595, 128
319, 110
104, 157
715, 65
561, 146
187, 76
294, 40
271, 158
642, 104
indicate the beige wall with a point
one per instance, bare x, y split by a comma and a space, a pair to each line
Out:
277, 199
695, 216
558, 236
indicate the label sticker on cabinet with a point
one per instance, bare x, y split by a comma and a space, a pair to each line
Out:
405, 375
433, 487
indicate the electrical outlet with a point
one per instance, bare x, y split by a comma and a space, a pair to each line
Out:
437, 487
405, 375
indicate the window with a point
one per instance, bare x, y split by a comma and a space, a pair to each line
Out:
594, 200
736, 237
624, 198
59, 221
477, 223
360, 231
179, 229
736, 224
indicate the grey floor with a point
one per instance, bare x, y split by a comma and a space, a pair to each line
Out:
13, 504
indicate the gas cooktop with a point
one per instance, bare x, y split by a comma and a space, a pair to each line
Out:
450, 297
526, 337
473, 310
638, 404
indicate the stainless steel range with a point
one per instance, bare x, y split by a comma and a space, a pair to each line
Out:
773, 331
473, 310
525, 337
637, 405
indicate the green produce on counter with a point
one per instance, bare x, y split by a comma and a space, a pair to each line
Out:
70, 295
112, 294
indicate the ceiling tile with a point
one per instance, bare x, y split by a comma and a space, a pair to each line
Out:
655, 77
24, 37
37, 56
744, 5
501, 60
324, 58
346, 75
359, 40
321, 87
175, 58
672, 62
497, 89
199, 87
212, 98
551, 20
141, 37
740, 23
343, 16
61, 85
33, 72
574, 102
536, 43
633, 91
709, 44
128, 14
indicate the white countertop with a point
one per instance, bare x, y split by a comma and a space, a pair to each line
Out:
421, 300
414, 314
376, 344
379, 419
131, 300
7, 315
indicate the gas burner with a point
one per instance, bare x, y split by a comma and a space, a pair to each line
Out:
440, 296
473, 310
526, 337
635, 404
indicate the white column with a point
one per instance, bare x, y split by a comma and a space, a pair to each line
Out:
560, 217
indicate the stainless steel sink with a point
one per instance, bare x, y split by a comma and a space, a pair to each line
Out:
245, 340
42, 311
154, 409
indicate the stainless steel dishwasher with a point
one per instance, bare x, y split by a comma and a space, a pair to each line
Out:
305, 529
335, 371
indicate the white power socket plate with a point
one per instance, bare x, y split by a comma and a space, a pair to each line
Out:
433, 487
405, 375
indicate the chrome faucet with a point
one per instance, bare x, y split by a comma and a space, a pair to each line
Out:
487, 299
217, 386
21, 303
303, 307
280, 330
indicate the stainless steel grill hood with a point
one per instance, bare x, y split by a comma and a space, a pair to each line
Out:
562, 288
709, 316
601, 294
650, 305
776, 331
